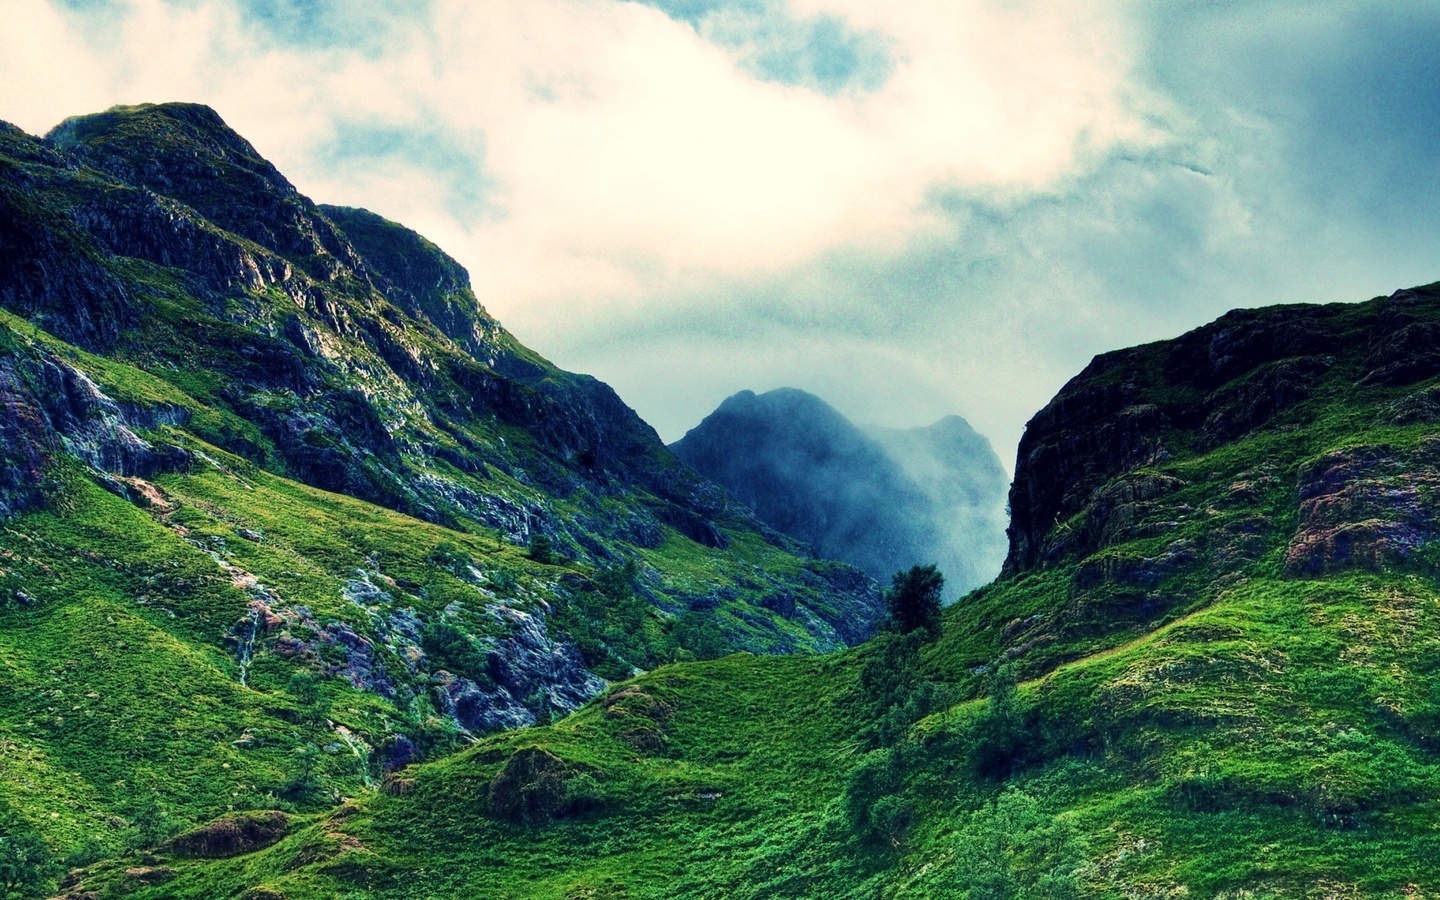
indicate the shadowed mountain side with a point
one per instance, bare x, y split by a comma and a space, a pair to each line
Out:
882, 500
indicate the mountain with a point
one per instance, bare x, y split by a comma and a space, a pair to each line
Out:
880, 499
284, 509
1210, 668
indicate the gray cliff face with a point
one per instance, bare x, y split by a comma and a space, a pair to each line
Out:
880, 499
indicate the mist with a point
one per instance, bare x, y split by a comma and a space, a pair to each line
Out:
881, 499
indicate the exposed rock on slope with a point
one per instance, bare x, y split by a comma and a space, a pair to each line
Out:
326, 475
350, 352
881, 499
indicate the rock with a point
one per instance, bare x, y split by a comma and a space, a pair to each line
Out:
1268, 390
479, 711
1419, 408
1363, 507
393, 785
1404, 349
1124, 412
532, 788
231, 835
641, 720
148, 875
48, 406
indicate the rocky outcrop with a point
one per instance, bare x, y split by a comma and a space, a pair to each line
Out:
231, 835
1091, 468
533, 678
47, 407
1366, 507
1249, 371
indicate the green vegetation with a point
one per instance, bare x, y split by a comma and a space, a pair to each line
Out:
1171, 706
268, 626
913, 600
25, 864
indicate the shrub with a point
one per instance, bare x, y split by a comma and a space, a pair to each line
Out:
449, 648
873, 802
26, 866
1009, 849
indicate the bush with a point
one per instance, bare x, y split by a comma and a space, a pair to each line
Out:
542, 549
1009, 849
449, 648
26, 866
873, 802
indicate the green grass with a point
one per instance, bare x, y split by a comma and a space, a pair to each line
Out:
1216, 727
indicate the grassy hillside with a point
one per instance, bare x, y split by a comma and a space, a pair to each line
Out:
1212, 672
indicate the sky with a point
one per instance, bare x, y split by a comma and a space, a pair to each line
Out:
911, 209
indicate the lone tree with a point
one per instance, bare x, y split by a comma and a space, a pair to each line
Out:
542, 549
913, 599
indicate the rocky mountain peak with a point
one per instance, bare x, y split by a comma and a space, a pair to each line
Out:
186, 152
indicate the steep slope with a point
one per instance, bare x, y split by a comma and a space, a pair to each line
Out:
882, 499
1220, 606
286, 509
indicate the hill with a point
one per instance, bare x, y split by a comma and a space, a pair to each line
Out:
285, 509
880, 499
1209, 669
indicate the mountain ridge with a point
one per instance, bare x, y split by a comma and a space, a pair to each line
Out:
286, 509
881, 499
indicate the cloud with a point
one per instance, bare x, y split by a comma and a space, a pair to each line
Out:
910, 209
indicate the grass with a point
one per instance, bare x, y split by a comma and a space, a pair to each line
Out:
1212, 726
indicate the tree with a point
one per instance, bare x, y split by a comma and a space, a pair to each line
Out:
542, 549
25, 864
999, 735
306, 691
304, 779
913, 599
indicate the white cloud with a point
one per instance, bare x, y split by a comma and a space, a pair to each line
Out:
635, 171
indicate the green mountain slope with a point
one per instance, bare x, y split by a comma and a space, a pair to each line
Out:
1210, 669
284, 510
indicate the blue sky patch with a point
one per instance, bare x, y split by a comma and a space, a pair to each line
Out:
821, 52
456, 163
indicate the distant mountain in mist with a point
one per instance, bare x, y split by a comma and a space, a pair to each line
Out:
881, 499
